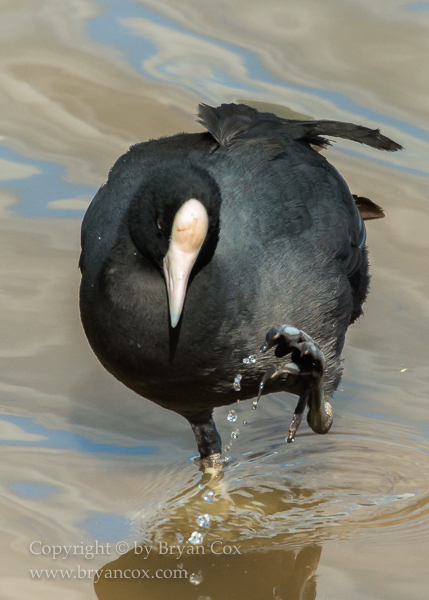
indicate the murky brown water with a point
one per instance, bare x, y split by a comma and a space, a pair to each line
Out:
84, 459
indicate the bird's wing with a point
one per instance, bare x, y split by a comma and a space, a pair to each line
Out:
229, 122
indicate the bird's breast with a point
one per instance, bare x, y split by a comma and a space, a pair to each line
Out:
127, 324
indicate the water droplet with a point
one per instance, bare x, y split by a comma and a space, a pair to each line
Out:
203, 520
179, 538
196, 538
250, 360
180, 566
261, 387
244, 422
276, 593
237, 383
232, 416
235, 434
226, 448
196, 578
208, 496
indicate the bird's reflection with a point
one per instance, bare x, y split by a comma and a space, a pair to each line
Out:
238, 556
282, 574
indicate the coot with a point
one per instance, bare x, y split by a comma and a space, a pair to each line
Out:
199, 244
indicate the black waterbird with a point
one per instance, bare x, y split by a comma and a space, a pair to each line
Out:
198, 244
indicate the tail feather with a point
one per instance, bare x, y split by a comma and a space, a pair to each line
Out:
368, 209
356, 133
224, 125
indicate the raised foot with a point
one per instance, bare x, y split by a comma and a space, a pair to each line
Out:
305, 359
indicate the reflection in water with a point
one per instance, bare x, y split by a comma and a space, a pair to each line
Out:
228, 559
277, 508
281, 574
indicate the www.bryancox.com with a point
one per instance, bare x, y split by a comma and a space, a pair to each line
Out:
80, 573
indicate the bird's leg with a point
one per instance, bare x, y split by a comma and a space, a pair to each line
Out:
208, 439
307, 361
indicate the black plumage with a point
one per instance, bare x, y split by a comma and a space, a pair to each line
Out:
284, 243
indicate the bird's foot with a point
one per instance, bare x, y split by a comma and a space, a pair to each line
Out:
212, 464
306, 360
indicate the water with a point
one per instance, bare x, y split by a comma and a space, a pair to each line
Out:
339, 516
203, 520
250, 360
196, 578
196, 538
232, 416
237, 383
256, 401
208, 496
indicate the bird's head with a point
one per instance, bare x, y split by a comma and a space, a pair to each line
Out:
173, 221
